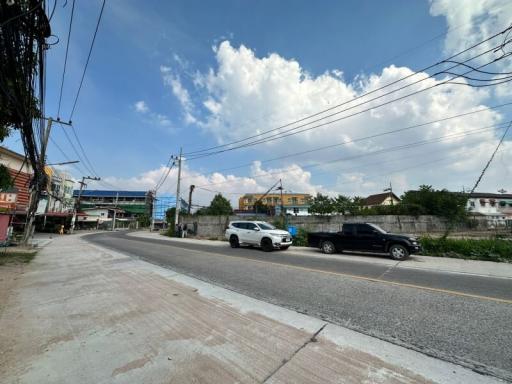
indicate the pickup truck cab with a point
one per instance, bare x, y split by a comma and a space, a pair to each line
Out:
258, 233
365, 237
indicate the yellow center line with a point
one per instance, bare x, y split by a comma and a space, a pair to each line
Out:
357, 277
364, 278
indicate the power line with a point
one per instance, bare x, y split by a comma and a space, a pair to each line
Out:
66, 55
164, 178
492, 157
83, 151
87, 62
292, 131
385, 150
364, 138
357, 97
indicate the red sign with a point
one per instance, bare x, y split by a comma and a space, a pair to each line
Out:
8, 200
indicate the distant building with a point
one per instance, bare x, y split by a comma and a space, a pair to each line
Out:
58, 197
162, 203
127, 205
385, 198
293, 203
496, 208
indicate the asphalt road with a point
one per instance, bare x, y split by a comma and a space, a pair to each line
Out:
459, 318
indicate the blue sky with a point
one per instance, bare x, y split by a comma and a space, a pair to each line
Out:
169, 74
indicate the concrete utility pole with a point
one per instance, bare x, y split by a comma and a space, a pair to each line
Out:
77, 203
280, 188
178, 198
36, 188
153, 203
192, 187
115, 211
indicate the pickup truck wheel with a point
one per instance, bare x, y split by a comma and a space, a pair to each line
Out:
233, 241
398, 252
328, 247
266, 244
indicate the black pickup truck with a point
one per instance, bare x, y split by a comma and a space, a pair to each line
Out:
365, 237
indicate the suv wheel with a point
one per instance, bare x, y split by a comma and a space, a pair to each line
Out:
398, 252
328, 247
233, 241
266, 244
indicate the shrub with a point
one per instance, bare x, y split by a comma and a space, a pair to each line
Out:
301, 239
474, 249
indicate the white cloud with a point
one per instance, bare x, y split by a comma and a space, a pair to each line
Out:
151, 117
470, 21
140, 106
245, 95
179, 91
294, 179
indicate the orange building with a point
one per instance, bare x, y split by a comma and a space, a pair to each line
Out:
290, 200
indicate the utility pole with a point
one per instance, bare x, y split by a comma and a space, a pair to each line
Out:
390, 190
192, 187
37, 185
115, 211
153, 203
77, 203
178, 198
280, 188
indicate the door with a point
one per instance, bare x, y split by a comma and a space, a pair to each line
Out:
369, 239
346, 239
252, 233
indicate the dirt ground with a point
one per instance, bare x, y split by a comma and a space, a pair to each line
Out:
12, 266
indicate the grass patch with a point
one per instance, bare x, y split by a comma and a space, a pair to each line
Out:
473, 249
16, 257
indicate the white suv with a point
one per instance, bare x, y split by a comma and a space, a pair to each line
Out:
257, 233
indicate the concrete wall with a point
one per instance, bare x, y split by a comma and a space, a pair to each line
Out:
214, 226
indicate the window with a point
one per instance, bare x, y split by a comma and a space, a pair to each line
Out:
349, 229
296, 210
294, 200
250, 226
482, 202
363, 229
266, 226
472, 204
492, 202
237, 225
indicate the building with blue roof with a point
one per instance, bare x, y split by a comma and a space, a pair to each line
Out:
133, 203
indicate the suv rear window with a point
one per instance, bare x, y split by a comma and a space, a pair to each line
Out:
237, 225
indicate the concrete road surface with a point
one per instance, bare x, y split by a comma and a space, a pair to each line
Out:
461, 318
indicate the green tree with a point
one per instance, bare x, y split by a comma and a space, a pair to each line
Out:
219, 206
321, 205
170, 214
428, 201
357, 205
144, 220
5, 178
343, 204
260, 207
